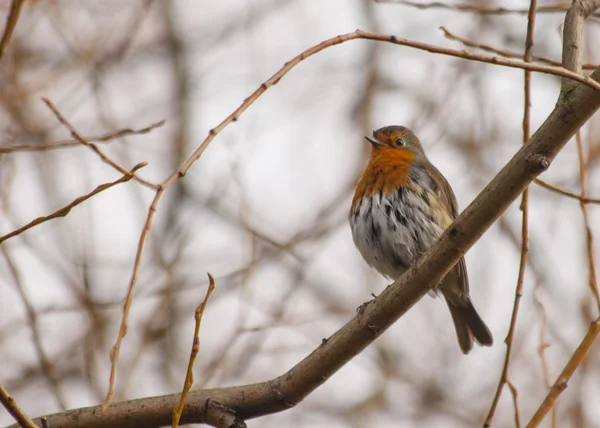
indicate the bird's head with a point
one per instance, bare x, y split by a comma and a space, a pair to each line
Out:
396, 137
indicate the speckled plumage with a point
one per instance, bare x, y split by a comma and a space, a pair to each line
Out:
401, 207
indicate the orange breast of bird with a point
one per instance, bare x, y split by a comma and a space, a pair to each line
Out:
388, 169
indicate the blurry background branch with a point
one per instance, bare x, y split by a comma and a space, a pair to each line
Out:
265, 209
570, 113
524, 207
70, 143
62, 212
11, 23
478, 9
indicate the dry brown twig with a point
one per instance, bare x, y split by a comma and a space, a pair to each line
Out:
561, 382
67, 208
504, 379
505, 53
580, 198
480, 10
514, 393
13, 408
114, 354
46, 367
572, 43
543, 345
75, 134
592, 278
11, 23
189, 377
71, 143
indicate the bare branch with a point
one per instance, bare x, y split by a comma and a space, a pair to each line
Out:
543, 345
480, 10
561, 382
592, 278
11, 23
505, 53
95, 148
46, 365
286, 391
67, 208
72, 143
573, 36
563, 192
189, 377
13, 408
114, 355
504, 379
359, 34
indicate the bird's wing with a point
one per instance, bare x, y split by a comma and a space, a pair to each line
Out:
441, 188
446, 196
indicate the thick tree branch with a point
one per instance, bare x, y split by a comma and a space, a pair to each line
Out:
273, 80
249, 401
229, 406
573, 37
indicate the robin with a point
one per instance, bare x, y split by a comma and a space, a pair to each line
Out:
401, 207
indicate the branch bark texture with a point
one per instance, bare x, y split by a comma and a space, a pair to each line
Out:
250, 401
231, 406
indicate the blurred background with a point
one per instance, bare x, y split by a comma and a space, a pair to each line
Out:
264, 210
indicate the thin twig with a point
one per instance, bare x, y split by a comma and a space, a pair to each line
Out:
544, 345
114, 355
359, 34
561, 382
480, 10
13, 408
75, 134
11, 23
67, 208
46, 365
71, 143
580, 198
504, 379
189, 377
505, 53
593, 281
515, 399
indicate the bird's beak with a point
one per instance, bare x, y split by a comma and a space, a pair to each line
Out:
372, 141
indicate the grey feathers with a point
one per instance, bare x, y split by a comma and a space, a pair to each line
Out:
392, 230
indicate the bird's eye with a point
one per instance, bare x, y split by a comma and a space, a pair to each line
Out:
399, 142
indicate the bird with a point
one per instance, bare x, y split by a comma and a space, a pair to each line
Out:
401, 206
